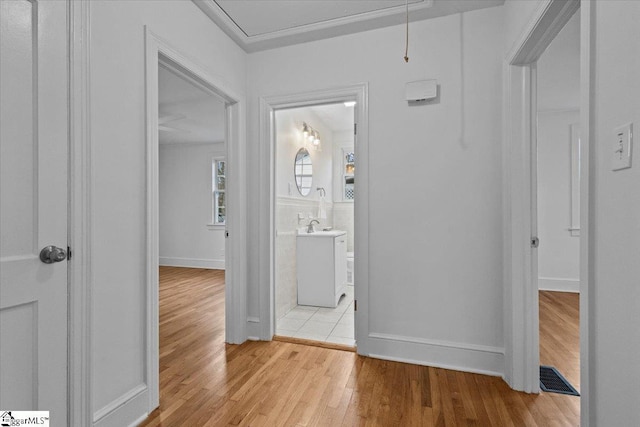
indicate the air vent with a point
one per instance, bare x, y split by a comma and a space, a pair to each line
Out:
552, 381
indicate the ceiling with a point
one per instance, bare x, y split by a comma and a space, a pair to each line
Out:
265, 24
336, 117
195, 116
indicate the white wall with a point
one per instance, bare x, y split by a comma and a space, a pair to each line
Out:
186, 207
289, 140
615, 299
518, 14
559, 251
435, 177
289, 201
119, 182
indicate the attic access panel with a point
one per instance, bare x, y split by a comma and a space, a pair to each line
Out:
257, 18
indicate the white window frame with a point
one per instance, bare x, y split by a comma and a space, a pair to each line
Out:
345, 175
215, 191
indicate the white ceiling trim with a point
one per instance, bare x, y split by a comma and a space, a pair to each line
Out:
315, 31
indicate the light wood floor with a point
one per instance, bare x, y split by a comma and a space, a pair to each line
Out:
560, 333
205, 382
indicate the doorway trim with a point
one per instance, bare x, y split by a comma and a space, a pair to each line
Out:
521, 290
268, 107
80, 410
159, 51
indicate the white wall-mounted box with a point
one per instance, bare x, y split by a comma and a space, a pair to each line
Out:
421, 90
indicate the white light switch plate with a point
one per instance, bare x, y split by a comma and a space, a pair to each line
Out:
622, 147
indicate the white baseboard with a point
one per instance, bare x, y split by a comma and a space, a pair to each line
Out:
130, 409
253, 328
559, 285
213, 264
477, 359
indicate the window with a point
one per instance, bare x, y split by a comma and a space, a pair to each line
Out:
219, 185
574, 228
348, 174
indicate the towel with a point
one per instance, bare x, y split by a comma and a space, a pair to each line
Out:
322, 208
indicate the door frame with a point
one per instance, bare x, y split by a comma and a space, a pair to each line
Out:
157, 51
80, 393
521, 290
268, 107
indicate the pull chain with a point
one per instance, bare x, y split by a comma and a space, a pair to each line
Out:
406, 50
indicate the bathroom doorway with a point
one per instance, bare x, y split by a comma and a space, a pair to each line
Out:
314, 199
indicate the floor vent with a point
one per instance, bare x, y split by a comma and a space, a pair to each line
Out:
552, 381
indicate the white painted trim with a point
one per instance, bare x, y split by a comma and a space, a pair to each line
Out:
558, 284
521, 322
309, 32
120, 401
439, 343
194, 144
558, 110
152, 375
80, 225
159, 51
574, 183
139, 420
125, 410
216, 227
478, 359
213, 264
544, 26
359, 93
293, 201
587, 206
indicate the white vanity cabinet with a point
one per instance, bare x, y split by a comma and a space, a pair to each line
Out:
321, 267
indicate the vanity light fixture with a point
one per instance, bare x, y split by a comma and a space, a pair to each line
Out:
349, 103
311, 134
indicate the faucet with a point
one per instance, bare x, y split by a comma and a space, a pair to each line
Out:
310, 226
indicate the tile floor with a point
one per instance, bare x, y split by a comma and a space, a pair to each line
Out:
334, 325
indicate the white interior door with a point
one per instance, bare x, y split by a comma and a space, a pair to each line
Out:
33, 206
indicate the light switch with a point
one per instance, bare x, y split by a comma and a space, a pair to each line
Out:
621, 147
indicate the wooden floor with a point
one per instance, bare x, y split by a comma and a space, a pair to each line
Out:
205, 382
560, 333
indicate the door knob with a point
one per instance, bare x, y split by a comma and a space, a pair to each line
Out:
51, 254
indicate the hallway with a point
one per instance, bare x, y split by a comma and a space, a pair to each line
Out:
206, 382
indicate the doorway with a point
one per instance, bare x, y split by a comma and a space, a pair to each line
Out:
268, 108
192, 218
161, 55
558, 202
315, 168
522, 368
192, 174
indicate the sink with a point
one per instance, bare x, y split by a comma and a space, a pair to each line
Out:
302, 232
321, 267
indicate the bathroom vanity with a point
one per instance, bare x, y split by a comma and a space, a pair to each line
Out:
321, 267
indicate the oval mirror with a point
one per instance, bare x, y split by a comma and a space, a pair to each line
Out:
303, 171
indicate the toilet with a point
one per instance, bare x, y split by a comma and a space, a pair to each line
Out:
350, 269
